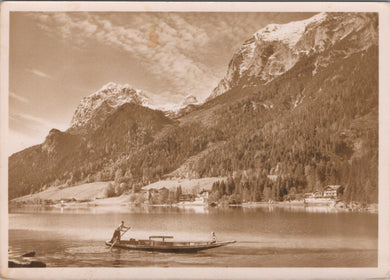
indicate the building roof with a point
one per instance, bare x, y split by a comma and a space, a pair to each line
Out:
332, 187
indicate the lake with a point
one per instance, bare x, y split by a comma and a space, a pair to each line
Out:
266, 236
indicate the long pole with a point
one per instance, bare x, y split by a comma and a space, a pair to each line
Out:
118, 238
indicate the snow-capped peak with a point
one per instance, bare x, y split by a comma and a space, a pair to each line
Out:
289, 33
276, 48
94, 108
118, 94
104, 101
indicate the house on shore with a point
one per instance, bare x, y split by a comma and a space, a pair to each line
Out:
329, 192
332, 191
186, 197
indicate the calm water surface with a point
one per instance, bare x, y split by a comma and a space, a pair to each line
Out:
266, 237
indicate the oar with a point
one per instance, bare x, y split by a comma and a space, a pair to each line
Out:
118, 239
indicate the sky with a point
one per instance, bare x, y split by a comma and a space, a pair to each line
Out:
56, 58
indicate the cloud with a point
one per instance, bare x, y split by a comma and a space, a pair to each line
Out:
172, 60
40, 73
18, 97
189, 44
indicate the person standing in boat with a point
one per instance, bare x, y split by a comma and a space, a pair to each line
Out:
213, 237
117, 232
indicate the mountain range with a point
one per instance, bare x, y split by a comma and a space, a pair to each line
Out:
296, 110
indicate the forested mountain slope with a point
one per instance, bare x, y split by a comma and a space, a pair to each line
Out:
70, 157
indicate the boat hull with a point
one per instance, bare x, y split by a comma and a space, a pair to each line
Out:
174, 247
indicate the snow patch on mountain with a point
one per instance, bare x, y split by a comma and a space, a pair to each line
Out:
289, 33
276, 48
270, 52
189, 99
174, 109
93, 109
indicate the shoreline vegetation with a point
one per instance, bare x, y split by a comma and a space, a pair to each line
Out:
184, 193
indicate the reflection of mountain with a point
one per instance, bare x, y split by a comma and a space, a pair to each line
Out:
299, 102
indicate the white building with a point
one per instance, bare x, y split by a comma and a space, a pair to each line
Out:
331, 191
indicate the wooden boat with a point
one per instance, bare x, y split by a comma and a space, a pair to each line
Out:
162, 245
25, 261
30, 264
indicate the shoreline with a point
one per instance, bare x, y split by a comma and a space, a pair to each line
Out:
122, 202
92, 195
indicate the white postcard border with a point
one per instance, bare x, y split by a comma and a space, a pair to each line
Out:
383, 269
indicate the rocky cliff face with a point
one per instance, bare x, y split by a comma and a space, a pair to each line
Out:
94, 109
276, 48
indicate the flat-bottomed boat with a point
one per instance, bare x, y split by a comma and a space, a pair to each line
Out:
162, 245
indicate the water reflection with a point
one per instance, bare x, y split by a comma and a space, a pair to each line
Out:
267, 235
292, 208
65, 251
114, 209
196, 209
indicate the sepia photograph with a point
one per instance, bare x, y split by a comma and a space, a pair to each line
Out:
152, 136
